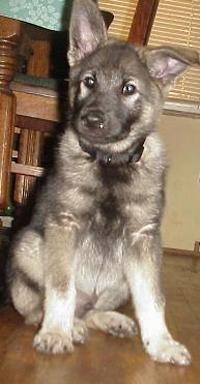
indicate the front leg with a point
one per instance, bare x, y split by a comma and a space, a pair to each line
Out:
143, 273
55, 335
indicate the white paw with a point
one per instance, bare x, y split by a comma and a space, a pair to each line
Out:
53, 342
79, 332
168, 350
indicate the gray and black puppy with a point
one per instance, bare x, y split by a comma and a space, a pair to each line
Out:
95, 236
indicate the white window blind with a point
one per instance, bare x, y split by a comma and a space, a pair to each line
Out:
123, 11
177, 22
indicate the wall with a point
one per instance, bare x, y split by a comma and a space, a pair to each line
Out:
181, 224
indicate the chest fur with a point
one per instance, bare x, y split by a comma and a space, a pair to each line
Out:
126, 195
108, 210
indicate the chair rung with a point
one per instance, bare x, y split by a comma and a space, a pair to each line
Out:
27, 170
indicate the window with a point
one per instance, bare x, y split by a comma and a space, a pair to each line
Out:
123, 11
177, 22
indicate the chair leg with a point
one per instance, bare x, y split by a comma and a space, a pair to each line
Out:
7, 114
31, 141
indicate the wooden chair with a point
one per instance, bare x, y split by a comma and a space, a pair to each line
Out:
17, 101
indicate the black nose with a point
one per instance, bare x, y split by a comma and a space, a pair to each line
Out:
94, 119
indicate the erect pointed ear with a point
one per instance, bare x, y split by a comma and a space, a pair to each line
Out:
87, 30
165, 63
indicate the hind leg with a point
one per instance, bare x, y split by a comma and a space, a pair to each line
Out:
25, 275
103, 316
27, 301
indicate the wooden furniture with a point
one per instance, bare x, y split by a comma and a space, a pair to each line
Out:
37, 114
19, 104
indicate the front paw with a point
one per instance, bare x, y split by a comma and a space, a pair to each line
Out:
53, 342
168, 350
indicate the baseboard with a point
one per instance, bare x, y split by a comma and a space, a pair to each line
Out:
178, 252
195, 253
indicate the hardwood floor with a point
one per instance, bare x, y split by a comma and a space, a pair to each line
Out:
105, 359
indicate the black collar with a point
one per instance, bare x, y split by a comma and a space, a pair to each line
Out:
131, 155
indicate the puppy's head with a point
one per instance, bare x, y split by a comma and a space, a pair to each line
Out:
116, 90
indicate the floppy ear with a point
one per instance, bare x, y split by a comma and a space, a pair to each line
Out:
87, 30
165, 63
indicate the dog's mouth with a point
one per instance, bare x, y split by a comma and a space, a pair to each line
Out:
95, 138
96, 128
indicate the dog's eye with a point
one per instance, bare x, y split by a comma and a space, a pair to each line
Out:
129, 89
89, 82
